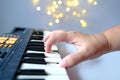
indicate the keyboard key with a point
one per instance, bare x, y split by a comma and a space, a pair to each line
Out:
49, 69
36, 48
32, 40
37, 37
34, 61
42, 60
34, 55
36, 44
38, 33
48, 77
47, 55
32, 72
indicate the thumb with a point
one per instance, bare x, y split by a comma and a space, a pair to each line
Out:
72, 59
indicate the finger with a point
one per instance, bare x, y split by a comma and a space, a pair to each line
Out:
48, 44
72, 60
45, 38
56, 36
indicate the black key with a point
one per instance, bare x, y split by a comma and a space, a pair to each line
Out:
32, 72
36, 44
36, 48
35, 55
38, 32
34, 60
37, 37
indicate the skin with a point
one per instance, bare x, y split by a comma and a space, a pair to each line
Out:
88, 46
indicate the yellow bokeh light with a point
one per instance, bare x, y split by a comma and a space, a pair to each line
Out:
54, 2
95, 3
84, 11
74, 13
60, 2
67, 9
78, 15
72, 3
90, 1
51, 9
59, 15
57, 21
38, 8
50, 23
83, 23
35, 2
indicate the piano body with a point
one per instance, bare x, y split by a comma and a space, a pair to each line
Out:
22, 57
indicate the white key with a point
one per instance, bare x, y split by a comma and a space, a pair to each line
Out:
49, 69
54, 47
52, 54
52, 60
32, 40
48, 77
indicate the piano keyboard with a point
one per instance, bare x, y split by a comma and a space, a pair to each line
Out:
23, 57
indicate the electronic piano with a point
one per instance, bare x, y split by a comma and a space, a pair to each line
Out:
23, 57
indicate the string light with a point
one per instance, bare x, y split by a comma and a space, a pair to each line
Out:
59, 8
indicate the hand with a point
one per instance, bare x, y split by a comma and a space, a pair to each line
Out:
88, 46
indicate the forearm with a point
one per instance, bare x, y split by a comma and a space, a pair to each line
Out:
113, 37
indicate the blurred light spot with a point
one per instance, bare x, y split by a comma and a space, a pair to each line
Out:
50, 23
49, 13
90, 1
83, 23
61, 15
57, 21
84, 11
95, 3
54, 2
72, 3
60, 2
78, 15
35, 2
74, 13
38, 8
67, 9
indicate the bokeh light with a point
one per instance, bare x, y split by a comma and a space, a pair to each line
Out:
59, 9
